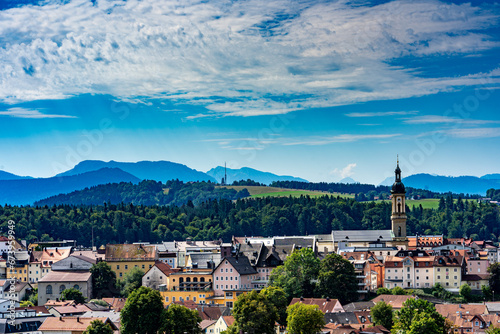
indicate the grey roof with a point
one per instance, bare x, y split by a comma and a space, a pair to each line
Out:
324, 237
251, 251
363, 235
112, 315
341, 318
74, 262
202, 259
29, 325
297, 241
358, 306
241, 265
493, 307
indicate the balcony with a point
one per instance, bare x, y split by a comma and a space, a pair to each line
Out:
360, 276
361, 284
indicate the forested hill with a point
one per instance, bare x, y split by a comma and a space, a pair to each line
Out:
267, 216
367, 191
145, 193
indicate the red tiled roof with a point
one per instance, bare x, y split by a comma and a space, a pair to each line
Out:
116, 304
229, 320
70, 324
396, 301
66, 276
124, 252
325, 306
454, 309
52, 302
80, 308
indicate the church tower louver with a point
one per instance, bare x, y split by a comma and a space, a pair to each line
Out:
398, 217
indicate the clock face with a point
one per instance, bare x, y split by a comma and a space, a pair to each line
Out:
399, 199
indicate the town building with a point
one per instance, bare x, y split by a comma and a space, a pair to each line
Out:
123, 257
53, 284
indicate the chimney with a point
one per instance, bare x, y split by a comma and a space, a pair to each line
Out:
77, 319
301, 298
327, 299
60, 318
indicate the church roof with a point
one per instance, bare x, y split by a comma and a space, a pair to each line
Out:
363, 235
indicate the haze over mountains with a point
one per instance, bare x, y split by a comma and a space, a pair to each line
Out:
25, 190
246, 173
443, 184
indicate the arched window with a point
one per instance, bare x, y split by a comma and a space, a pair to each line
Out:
48, 290
188, 279
62, 288
76, 287
181, 280
202, 279
195, 279
399, 231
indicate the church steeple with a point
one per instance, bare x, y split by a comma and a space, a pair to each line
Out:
398, 217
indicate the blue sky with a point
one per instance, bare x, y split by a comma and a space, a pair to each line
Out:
317, 89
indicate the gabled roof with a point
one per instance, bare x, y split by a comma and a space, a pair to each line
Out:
51, 303
50, 254
358, 306
396, 301
164, 268
240, 264
341, 318
326, 305
124, 252
116, 304
454, 309
228, 319
71, 324
206, 323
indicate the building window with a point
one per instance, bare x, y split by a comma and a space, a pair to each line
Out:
76, 287
117, 266
126, 267
62, 288
143, 266
229, 304
439, 277
48, 290
121, 274
166, 299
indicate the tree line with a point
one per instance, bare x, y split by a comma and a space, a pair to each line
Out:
217, 219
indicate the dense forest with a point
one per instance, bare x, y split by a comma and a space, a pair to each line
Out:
147, 192
220, 219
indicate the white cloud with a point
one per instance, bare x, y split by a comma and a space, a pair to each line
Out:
344, 138
248, 58
436, 119
347, 171
29, 113
380, 113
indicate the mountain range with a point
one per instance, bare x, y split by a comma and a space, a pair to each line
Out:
246, 173
454, 184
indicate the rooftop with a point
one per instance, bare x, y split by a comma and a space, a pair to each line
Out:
65, 276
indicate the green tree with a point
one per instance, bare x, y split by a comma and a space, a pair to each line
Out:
278, 298
494, 280
382, 315
73, 294
337, 279
254, 313
26, 303
493, 330
98, 327
304, 319
143, 312
179, 320
419, 316
295, 276
383, 291
131, 281
397, 290
487, 294
465, 291
103, 280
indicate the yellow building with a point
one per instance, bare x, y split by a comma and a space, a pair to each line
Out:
19, 273
448, 271
199, 296
123, 257
189, 280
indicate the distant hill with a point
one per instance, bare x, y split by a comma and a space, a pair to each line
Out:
9, 176
246, 173
146, 193
27, 191
162, 171
443, 184
348, 180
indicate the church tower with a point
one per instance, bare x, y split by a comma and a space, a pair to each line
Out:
398, 217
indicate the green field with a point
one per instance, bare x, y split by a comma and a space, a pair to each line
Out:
428, 203
257, 191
